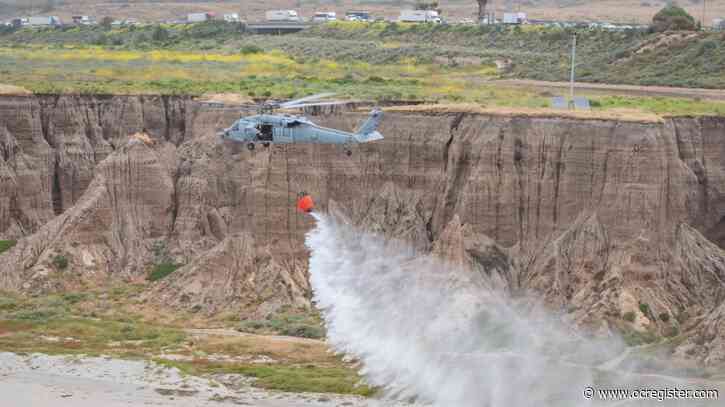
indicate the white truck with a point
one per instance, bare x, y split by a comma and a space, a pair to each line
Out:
198, 17
232, 18
515, 18
282, 15
419, 16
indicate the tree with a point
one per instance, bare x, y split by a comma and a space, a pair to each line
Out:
106, 22
673, 18
160, 34
426, 5
482, 9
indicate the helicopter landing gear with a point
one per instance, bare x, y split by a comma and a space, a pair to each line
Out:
266, 144
250, 146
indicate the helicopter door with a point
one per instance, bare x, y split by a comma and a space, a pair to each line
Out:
265, 132
283, 134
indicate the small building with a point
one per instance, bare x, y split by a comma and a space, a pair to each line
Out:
44, 21
718, 24
16, 22
84, 20
232, 18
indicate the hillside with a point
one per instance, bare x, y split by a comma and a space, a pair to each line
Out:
627, 11
621, 228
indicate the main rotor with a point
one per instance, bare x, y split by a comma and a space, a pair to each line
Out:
308, 101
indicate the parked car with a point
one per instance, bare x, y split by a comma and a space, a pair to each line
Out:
324, 16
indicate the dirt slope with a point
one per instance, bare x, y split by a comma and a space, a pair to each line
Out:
619, 223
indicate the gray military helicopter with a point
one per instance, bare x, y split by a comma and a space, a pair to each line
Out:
267, 128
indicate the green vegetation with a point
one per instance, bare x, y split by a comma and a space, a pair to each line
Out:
60, 262
664, 317
636, 338
292, 378
378, 61
644, 308
291, 323
629, 316
673, 18
162, 270
110, 322
6, 245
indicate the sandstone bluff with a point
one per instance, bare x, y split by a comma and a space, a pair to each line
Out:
600, 217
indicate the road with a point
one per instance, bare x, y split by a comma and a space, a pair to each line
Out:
630, 90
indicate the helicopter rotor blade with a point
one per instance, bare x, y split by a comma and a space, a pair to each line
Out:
304, 99
333, 103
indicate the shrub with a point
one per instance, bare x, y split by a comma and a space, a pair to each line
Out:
664, 317
251, 49
6, 245
629, 316
673, 18
160, 34
644, 308
162, 270
60, 262
304, 331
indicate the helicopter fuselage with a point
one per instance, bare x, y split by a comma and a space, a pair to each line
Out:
284, 129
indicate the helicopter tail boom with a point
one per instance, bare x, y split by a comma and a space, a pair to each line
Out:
368, 130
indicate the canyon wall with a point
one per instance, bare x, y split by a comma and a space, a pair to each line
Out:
617, 223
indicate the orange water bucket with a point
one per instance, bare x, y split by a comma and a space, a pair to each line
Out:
305, 204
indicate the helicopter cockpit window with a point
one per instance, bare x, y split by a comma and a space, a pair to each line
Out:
265, 132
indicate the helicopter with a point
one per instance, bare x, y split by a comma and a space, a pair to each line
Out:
267, 128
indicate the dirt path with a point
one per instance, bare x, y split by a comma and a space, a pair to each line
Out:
630, 90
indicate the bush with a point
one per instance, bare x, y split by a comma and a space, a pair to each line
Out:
162, 270
673, 18
304, 331
60, 262
644, 308
629, 316
664, 317
6, 245
160, 34
251, 49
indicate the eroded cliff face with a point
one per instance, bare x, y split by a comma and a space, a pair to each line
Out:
618, 223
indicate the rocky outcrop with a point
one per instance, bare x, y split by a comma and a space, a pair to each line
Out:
617, 223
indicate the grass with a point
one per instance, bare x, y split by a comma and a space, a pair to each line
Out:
290, 323
6, 245
381, 61
162, 270
291, 378
113, 322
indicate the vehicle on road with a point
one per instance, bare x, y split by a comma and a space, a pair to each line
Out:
419, 16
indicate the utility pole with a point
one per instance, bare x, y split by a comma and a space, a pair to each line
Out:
573, 65
704, 11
